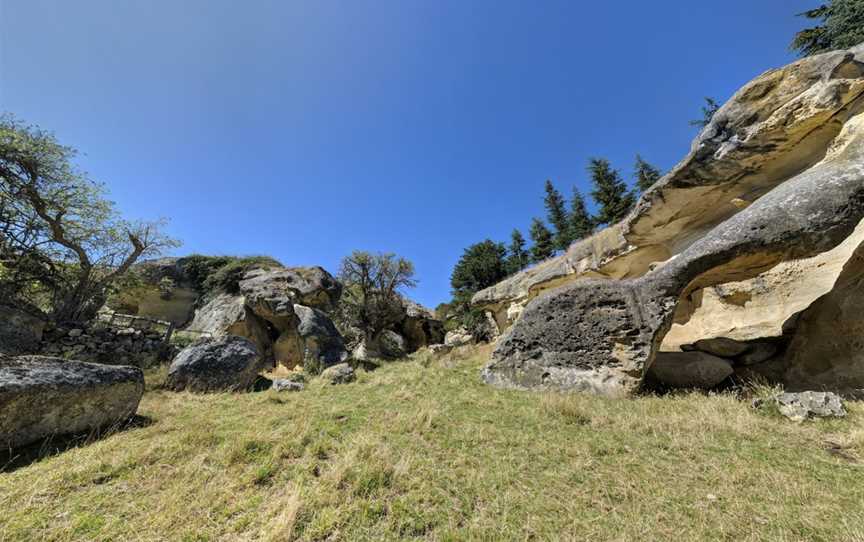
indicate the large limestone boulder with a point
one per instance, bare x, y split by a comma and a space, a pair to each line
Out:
275, 289
790, 145
765, 307
268, 311
42, 396
776, 126
322, 344
227, 363
20, 331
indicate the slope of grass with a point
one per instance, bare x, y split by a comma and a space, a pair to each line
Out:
422, 450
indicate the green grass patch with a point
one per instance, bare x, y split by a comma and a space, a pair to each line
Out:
423, 450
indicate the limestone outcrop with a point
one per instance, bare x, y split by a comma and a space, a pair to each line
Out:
777, 176
42, 396
776, 126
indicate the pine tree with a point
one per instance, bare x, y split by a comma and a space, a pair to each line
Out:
581, 225
544, 245
517, 258
646, 174
557, 216
610, 192
708, 111
842, 27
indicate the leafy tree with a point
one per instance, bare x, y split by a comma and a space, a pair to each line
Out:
842, 27
517, 257
646, 174
581, 225
557, 216
481, 265
62, 243
610, 192
543, 244
371, 300
708, 111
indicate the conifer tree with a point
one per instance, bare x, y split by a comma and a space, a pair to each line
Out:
708, 111
610, 192
842, 27
557, 216
517, 258
645, 174
581, 225
544, 245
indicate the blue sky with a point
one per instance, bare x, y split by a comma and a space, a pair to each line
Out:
306, 129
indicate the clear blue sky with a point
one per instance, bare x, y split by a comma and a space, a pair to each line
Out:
305, 129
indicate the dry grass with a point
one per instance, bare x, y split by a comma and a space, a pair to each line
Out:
422, 450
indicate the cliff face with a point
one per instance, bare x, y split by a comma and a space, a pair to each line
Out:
737, 242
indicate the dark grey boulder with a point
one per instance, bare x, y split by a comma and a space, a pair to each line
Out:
42, 396
689, 370
227, 363
339, 374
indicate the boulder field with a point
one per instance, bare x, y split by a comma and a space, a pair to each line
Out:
749, 250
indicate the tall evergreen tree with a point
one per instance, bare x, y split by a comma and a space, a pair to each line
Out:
544, 244
646, 174
557, 216
842, 27
480, 266
610, 192
517, 258
581, 225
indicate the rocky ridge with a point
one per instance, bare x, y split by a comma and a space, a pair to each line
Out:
771, 194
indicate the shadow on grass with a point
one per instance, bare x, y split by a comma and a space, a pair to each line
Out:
11, 460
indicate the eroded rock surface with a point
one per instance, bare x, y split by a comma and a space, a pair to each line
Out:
42, 396
792, 142
227, 363
775, 127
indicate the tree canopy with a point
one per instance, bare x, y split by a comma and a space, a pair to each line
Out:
544, 244
371, 300
62, 243
610, 192
841, 27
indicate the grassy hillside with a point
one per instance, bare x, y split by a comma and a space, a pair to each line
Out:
422, 450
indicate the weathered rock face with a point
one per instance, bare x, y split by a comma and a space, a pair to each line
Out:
775, 127
420, 327
225, 364
458, 337
791, 142
42, 396
20, 332
826, 350
273, 290
322, 344
265, 312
